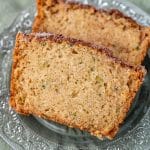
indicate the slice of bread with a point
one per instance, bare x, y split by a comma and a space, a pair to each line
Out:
72, 82
123, 36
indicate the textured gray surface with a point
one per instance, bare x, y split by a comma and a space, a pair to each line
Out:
9, 10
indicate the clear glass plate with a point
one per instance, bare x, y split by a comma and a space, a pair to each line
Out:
22, 132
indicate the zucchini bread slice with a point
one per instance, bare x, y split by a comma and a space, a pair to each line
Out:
72, 82
124, 37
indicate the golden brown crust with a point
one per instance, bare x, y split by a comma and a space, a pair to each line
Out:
12, 101
60, 38
138, 75
145, 40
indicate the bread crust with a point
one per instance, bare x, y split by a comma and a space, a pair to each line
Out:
138, 74
58, 38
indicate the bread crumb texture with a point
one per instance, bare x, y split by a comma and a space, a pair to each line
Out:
124, 37
72, 84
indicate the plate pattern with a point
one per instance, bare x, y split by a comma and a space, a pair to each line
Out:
17, 134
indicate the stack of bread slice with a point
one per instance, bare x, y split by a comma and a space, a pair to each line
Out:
80, 66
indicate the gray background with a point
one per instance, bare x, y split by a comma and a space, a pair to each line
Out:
9, 9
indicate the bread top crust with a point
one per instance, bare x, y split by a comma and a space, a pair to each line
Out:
60, 38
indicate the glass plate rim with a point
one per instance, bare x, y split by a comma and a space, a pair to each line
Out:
14, 144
